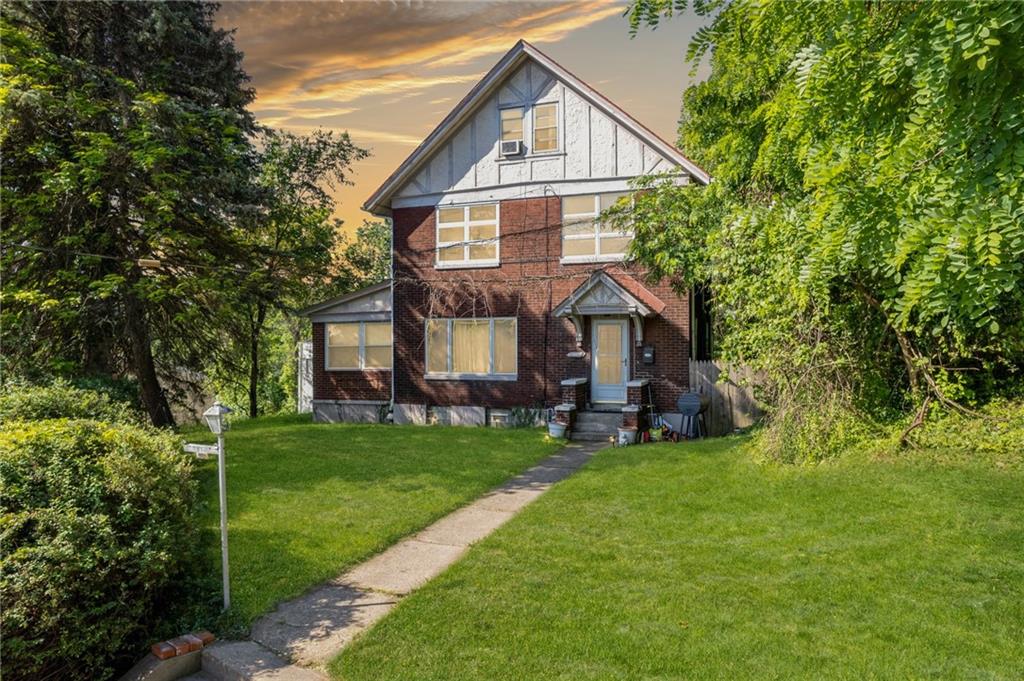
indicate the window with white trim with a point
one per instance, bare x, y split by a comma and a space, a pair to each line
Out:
355, 346
545, 127
512, 124
585, 238
472, 348
467, 236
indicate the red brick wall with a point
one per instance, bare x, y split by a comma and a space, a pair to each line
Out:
345, 385
528, 284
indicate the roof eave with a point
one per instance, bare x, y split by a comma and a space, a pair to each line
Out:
345, 298
376, 203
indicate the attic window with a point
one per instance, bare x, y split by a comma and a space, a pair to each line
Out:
512, 124
545, 127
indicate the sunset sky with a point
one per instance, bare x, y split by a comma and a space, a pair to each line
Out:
388, 72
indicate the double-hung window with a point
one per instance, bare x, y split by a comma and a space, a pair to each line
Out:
472, 348
512, 124
467, 236
585, 238
545, 127
355, 346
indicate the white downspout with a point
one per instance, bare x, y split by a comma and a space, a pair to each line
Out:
391, 255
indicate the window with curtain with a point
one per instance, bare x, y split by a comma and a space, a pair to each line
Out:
358, 345
467, 236
468, 348
585, 238
545, 127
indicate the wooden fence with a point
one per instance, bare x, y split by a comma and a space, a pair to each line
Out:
732, 402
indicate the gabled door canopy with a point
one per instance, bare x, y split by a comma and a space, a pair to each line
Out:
602, 294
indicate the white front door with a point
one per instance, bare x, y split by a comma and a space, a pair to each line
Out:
609, 369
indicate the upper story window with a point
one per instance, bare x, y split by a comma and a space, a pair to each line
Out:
355, 346
587, 239
545, 127
467, 236
512, 124
481, 348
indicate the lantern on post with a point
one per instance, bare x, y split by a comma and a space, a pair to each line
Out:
216, 419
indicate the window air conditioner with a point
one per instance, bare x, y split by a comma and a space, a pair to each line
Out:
511, 148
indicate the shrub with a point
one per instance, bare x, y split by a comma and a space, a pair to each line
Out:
811, 426
61, 400
117, 389
993, 437
97, 539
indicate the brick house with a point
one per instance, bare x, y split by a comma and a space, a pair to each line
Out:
507, 291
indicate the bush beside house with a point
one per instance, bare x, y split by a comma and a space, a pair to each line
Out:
63, 400
97, 534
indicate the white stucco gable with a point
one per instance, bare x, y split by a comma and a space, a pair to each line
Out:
600, 147
372, 303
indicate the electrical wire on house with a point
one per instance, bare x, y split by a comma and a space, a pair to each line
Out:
154, 263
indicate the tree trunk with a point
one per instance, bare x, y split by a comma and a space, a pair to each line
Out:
256, 329
153, 397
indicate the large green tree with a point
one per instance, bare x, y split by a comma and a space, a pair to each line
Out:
364, 259
864, 231
294, 236
127, 163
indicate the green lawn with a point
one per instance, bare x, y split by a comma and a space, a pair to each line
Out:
307, 500
691, 562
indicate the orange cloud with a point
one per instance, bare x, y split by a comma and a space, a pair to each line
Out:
383, 71
347, 51
346, 91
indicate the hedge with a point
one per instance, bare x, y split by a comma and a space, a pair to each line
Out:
98, 538
62, 400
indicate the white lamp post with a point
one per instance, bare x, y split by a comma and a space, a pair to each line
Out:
215, 419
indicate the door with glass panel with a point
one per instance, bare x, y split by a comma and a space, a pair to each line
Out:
610, 366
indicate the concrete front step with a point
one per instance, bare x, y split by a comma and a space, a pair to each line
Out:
595, 427
610, 419
577, 436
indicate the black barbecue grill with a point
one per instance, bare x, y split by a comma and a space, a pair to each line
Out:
692, 406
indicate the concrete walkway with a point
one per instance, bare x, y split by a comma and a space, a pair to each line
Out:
310, 630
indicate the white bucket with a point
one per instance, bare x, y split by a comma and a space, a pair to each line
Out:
627, 436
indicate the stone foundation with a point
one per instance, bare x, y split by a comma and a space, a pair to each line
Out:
354, 411
415, 414
457, 416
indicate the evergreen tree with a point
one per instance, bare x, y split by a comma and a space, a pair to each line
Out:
127, 172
